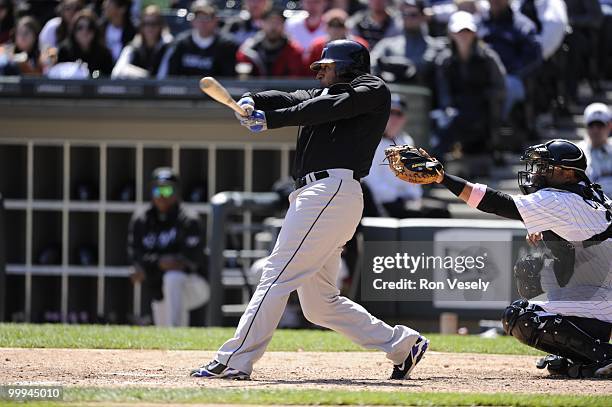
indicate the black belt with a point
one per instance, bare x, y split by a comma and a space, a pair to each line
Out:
319, 175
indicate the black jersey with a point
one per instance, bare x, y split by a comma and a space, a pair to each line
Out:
187, 59
151, 236
343, 124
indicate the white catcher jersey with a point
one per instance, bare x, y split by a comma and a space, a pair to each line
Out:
588, 294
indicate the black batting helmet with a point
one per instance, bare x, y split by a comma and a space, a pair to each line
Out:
350, 58
541, 159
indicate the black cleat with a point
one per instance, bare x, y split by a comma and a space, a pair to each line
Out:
216, 370
557, 365
402, 371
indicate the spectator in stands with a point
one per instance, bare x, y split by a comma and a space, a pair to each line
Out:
142, 57
7, 20
470, 90
408, 56
303, 28
201, 51
165, 247
551, 22
85, 44
513, 37
585, 18
392, 196
550, 19
22, 57
375, 23
246, 24
598, 146
335, 25
117, 25
270, 52
58, 28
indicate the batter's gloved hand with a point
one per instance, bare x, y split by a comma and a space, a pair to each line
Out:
414, 165
255, 122
247, 103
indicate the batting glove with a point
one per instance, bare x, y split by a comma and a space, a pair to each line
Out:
247, 103
255, 122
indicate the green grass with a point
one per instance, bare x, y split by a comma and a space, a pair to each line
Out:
403, 397
131, 337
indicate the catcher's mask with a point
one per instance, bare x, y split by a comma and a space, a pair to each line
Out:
541, 160
350, 58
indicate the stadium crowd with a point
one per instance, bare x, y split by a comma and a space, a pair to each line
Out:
491, 65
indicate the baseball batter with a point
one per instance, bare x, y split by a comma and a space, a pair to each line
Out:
561, 207
342, 124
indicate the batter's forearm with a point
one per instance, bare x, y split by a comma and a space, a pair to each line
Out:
274, 99
481, 197
315, 111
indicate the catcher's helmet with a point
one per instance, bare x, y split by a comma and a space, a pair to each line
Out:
350, 58
541, 159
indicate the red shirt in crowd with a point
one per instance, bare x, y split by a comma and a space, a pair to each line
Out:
283, 59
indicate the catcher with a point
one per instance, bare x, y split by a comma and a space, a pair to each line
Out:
562, 209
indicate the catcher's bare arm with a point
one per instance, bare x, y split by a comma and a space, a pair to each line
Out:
415, 165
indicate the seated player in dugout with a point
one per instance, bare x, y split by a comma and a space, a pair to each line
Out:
563, 210
165, 247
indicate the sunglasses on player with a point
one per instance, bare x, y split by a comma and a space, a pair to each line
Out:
163, 191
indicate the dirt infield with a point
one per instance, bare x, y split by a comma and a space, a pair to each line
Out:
304, 370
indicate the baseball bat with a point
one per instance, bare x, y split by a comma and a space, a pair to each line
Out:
215, 90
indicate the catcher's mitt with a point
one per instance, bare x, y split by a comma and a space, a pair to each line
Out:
413, 164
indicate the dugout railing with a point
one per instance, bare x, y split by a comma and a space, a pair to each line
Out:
221, 276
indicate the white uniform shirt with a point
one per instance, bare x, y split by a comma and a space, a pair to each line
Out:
296, 30
588, 294
47, 37
562, 212
599, 164
385, 186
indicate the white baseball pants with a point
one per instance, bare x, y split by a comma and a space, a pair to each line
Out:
322, 217
171, 310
